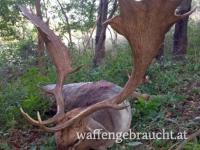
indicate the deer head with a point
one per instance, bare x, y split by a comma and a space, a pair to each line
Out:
143, 23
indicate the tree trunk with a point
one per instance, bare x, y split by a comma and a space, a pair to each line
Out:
180, 35
100, 33
101, 30
41, 44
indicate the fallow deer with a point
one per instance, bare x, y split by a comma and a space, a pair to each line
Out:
82, 95
143, 23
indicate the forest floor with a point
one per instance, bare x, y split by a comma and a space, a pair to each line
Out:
177, 116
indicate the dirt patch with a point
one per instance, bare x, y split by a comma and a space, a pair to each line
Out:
18, 139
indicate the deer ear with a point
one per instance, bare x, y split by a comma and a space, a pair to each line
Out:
93, 124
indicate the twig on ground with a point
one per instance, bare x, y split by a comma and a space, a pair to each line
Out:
192, 136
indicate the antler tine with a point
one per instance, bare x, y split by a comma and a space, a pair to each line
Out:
116, 24
178, 17
80, 113
31, 120
40, 123
37, 123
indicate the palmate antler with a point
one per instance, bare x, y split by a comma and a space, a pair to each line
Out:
59, 54
143, 23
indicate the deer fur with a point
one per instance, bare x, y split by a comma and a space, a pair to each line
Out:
109, 120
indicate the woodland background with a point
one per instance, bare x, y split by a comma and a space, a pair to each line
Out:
25, 66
